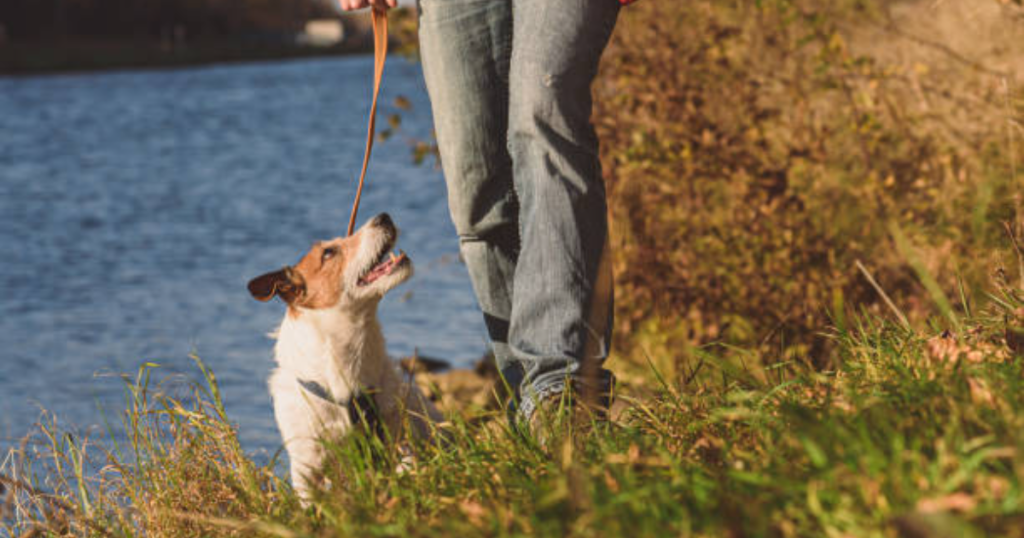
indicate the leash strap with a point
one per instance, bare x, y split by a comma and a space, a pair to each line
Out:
380, 54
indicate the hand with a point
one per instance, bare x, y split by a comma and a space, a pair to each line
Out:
383, 5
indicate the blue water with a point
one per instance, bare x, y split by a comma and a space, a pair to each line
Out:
135, 206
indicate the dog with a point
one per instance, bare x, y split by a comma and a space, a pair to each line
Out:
333, 373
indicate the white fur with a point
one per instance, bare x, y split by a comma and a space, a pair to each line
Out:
341, 349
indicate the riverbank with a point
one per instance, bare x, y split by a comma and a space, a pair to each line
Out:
820, 316
80, 55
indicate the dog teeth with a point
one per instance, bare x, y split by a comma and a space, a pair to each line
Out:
393, 257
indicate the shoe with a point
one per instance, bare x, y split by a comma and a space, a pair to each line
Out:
563, 416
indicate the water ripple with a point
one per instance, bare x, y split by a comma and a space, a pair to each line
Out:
135, 206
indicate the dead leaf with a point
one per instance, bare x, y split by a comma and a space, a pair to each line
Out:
474, 511
980, 393
954, 502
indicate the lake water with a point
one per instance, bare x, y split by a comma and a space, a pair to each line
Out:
135, 206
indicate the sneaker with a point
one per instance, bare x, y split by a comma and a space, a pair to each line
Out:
564, 416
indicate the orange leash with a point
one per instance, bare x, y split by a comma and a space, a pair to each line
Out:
380, 54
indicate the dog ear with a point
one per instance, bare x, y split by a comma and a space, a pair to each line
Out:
287, 283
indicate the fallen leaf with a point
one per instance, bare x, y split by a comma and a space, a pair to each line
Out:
954, 502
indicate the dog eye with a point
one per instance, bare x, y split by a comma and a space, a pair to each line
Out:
328, 254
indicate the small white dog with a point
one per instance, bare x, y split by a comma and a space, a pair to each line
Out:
333, 369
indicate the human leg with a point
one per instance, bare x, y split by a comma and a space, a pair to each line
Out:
466, 47
561, 302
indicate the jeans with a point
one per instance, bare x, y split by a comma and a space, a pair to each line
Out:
509, 84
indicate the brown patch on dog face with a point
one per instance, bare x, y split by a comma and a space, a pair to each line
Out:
315, 282
321, 270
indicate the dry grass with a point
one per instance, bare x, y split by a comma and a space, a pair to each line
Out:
784, 177
915, 434
755, 153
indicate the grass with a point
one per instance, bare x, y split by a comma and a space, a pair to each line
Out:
912, 433
782, 184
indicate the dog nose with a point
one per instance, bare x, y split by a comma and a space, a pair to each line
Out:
383, 220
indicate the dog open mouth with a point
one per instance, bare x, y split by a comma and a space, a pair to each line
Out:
385, 264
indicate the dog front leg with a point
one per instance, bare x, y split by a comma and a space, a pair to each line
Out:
307, 460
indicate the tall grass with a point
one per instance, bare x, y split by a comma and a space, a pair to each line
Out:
175, 460
911, 433
780, 188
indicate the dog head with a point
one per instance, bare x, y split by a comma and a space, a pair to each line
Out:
343, 272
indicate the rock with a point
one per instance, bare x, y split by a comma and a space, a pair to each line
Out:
418, 364
487, 367
459, 390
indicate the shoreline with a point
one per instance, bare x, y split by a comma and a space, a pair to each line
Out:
91, 56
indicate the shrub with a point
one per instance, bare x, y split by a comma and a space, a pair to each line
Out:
756, 151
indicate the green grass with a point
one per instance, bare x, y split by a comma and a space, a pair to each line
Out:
910, 432
769, 169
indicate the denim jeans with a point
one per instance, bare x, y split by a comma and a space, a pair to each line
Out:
509, 84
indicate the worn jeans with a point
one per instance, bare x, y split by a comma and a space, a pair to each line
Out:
509, 83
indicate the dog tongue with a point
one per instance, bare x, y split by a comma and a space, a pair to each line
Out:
383, 268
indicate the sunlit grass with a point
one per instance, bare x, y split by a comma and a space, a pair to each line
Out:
766, 180
912, 430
